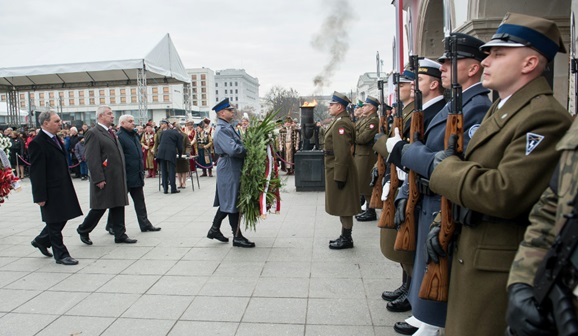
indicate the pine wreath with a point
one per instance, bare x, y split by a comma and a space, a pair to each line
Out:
254, 182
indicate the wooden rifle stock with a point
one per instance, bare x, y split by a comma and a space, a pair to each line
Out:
376, 202
406, 235
388, 210
436, 280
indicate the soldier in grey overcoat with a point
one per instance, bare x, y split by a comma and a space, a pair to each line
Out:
229, 147
108, 188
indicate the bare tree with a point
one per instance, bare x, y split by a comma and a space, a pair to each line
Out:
286, 101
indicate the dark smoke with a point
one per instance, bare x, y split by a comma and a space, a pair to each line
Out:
333, 38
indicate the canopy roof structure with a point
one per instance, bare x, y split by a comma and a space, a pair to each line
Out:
162, 64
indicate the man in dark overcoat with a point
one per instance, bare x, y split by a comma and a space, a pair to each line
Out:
505, 169
170, 145
229, 146
106, 168
52, 188
134, 164
341, 189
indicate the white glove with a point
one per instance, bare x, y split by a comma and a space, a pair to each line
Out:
385, 191
390, 143
401, 174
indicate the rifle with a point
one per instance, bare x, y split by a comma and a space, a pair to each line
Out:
556, 276
375, 201
574, 62
406, 239
388, 210
435, 283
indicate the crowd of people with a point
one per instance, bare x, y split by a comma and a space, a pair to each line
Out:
509, 198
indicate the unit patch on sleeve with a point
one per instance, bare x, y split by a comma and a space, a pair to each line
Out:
532, 141
473, 130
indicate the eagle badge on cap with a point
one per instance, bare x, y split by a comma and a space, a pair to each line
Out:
342, 131
532, 141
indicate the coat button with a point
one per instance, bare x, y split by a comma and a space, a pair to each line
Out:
461, 261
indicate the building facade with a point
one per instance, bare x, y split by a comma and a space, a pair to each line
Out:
241, 88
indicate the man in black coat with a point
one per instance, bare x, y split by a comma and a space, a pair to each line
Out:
52, 188
170, 143
134, 166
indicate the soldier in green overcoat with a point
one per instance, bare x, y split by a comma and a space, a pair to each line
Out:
507, 165
341, 189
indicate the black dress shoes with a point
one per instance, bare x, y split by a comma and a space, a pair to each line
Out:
242, 242
67, 261
43, 249
404, 328
150, 228
341, 243
110, 231
125, 240
368, 215
392, 295
215, 233
399, 305
166, 192
175, 191
84, 238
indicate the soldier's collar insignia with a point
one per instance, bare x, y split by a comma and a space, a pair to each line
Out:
532, 141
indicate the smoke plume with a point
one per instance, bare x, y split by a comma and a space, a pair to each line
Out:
333, 38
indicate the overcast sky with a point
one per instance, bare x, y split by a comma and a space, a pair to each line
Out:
271, 40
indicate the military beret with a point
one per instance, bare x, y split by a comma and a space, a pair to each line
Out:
468, 47
518, 30
339, 98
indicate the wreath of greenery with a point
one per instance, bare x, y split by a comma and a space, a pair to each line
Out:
258, 136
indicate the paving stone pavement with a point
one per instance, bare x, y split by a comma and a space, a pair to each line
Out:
178, 282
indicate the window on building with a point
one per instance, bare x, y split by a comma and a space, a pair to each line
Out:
195, 103
61, 94
204, 103
51, 102
155, 98
133, 99
203, 83
133, 91
194, 90
112, 100
91, 101
80, 101
3, 97
166, 98
235, 83
101, 92
71, 102
70, 94
155, 90
42, 95
51, 94
91, 93
123, 99
236, 91
81, 93
32, 96
204, 96
194, 77
230, 83
22, 104
102, 101
216, 84
216, 92
217, 99
225, 83
194, 83
204, 89
22, 96
226, 91
236, 98
203, 76
122, 92
165, 89
111, 92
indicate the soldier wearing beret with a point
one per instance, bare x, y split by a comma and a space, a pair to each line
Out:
365, 130
341, 189
507, 165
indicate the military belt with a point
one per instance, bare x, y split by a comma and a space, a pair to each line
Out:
471, 218
328, 153
223, 155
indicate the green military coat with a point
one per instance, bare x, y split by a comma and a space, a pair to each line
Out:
339, 166
365, 157
507, 165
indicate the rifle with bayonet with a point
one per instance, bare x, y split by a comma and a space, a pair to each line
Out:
435, 284
375, 201
406, 235
388, 210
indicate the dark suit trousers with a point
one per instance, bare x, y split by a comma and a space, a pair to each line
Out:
140, 208
51, 235
168, 175
94, 215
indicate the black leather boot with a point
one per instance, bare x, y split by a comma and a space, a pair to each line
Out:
215, 233
238, 239
361, 214
368, 215
394, 294
343, 242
